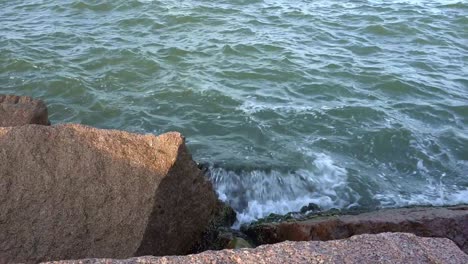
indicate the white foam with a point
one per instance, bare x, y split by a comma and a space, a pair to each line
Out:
435, 196
253, 107
256, 194
434, 192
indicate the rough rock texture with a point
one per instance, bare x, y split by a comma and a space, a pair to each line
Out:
220, 224
71, 191
381, 248
449, 222
22, 110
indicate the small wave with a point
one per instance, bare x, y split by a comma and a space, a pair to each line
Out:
379, 30
97, 7
455, 5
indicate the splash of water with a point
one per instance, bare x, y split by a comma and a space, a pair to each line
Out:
256, 194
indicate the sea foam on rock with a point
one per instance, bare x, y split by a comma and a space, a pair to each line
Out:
21, 110
72, 191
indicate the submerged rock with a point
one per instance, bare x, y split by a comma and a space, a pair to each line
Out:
310, 208
448, 222
382, 248
22, 110
71, 191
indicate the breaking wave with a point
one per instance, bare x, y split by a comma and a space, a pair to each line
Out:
258, 193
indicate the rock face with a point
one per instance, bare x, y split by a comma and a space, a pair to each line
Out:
449, 222
382, 248
71, 191
221, 222
22, 110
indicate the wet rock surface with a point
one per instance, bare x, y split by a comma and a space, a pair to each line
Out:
22, 110
449, 222
72, 191
380, 248
219, 233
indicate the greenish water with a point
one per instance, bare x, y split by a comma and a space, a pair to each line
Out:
340, 103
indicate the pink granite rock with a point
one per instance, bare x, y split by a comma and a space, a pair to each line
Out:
361, 249
22, 110
449, 222
72, 191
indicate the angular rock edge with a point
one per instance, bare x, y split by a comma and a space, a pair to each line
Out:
72, 191
450, 222
380, 248
22, 110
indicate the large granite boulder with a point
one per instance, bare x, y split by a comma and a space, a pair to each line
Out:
448, 222
22, 110
72, 191
382, 248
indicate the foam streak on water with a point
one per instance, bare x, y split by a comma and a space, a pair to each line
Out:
341, 103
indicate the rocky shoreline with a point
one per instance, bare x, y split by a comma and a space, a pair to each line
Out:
76, 192
446, 222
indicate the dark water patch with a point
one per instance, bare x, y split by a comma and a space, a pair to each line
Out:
427, 114
380, 30
96, 6
144, 22
400, 88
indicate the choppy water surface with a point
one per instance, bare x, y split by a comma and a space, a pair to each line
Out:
340, 103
